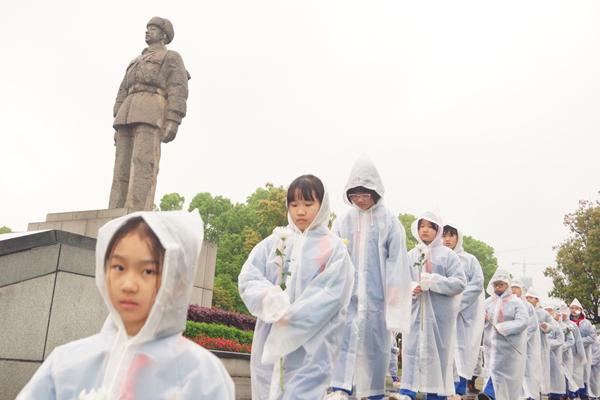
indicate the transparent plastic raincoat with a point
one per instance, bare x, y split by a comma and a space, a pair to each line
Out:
545, 322
588, 337
381, 298
298, 328
533, 364
158, 362
428, 349
469, 324
505, 339
572, 350
556, 341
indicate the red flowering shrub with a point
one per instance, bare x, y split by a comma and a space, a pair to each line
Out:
218, 316
222, 344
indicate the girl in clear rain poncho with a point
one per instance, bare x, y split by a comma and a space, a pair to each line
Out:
469, 324
381, 297
438, 280
556, 341
297, 282
545, 323
505, 340
145, 266
588, 337
533, 359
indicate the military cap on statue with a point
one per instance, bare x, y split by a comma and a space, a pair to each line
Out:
165, 25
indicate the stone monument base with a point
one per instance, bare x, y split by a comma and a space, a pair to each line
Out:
88, 222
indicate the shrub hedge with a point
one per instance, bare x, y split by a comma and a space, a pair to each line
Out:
218, 316
194, 329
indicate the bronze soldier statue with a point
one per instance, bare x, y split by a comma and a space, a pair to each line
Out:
150, 105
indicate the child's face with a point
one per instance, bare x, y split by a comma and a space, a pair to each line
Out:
516, 291
575, 311
133, 280
426, 231
450, 240
303, 212
364, 201
532, 300
499, 287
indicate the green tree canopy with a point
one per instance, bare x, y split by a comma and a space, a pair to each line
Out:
5, 229
171, 201
482, 251
577, 271
237, 228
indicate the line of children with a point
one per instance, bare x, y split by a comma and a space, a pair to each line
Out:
145, 267
326, 303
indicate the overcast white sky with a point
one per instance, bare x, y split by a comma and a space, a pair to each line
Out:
486, 112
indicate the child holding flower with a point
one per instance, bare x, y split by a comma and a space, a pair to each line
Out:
145, 267
438, 281
297, 282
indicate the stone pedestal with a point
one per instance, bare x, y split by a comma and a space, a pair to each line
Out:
84, 223
47, 297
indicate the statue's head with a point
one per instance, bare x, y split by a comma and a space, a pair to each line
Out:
159, 29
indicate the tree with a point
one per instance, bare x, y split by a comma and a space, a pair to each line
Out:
210, 209
5, 229
171, 201
406, 220
236, 229
482, 251
577, 270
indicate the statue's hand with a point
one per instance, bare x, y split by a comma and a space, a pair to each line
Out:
170, 131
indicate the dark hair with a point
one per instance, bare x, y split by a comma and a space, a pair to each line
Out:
433, 224
361, 189
137, 224
308, 186
450, 230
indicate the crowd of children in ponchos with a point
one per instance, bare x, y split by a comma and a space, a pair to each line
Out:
329, 306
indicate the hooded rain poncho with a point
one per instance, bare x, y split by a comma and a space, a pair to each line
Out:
505, 340
297, 328
428, 349
381, 296
157, 363
533, 364
469, 324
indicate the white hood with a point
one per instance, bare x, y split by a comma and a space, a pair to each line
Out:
499, 275
576, 303
459, 242
181, 235
364, 174
322, 218
431, 217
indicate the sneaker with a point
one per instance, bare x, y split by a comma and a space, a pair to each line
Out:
337, 395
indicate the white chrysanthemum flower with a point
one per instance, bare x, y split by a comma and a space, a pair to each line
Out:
282, 232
